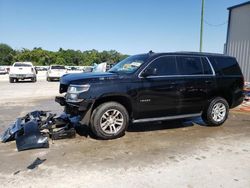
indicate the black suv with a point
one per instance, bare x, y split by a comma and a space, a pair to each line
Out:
154, 87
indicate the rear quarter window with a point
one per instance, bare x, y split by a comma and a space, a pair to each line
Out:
227, 65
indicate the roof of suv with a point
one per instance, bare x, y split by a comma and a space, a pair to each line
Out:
152, 54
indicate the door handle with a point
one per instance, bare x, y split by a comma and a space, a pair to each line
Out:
208, 82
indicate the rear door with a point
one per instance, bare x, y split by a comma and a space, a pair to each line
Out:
193, 88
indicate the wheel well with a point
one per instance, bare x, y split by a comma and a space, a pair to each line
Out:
119, 99
228, 98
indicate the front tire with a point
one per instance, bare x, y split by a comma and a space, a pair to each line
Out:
109, 120
216, 113
33, 79
11, 80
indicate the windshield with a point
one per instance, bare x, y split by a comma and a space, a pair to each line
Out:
21, 65
57, 67
130, 64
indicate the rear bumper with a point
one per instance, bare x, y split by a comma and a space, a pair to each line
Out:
238, 102
83, 108
22, 76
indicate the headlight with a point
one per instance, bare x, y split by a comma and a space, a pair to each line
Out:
78, 88
74, 90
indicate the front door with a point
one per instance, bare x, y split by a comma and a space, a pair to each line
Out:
158, 95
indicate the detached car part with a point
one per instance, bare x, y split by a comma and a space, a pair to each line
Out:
30, 137
32, 130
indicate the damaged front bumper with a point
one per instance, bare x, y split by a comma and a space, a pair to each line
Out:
82, 108
32, 130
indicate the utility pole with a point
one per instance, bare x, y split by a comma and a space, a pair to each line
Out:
202, 19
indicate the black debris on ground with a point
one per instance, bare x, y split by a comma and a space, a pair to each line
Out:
36, 163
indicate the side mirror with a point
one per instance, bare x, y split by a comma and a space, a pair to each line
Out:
149, 72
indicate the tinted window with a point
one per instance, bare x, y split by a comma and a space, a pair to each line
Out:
206, 67
164, 66
189, 65
228, 65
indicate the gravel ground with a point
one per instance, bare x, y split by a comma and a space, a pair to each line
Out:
167, 154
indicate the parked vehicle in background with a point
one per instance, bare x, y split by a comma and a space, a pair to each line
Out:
74, 70
154, 87
55, 72
88, 69
41, 68
22, 71
3, 70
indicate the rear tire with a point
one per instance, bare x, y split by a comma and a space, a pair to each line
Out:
109, 120
216, 113
48, 79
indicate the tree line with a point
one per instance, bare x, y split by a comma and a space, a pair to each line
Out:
41, 57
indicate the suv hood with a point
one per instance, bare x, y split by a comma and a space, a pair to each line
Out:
80, 78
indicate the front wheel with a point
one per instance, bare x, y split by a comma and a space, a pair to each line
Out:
109, 120
33, 79
11, 80
216, 112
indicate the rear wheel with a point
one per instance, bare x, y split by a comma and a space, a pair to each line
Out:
216, 112
109, 120
48, 79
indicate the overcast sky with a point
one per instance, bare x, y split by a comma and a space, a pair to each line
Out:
128, 26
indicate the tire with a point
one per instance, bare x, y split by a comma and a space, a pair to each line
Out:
103, 123
11, 80
216, 113
33, 79
48, 79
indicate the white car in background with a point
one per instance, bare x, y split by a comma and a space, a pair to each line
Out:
55, 72
3, 70
21, 71
74, 70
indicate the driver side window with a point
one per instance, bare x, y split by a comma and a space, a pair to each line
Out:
164, 66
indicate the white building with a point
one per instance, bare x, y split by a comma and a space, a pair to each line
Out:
238, 36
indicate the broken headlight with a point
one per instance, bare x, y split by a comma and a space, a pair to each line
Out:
74, 90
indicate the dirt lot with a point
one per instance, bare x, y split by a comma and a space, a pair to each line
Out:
169, 154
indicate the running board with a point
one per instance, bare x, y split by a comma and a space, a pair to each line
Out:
166, 118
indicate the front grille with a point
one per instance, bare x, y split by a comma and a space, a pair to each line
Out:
63, 88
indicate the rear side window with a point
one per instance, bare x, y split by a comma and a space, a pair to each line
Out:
189, 65
206, 67
228, 65
164, 66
